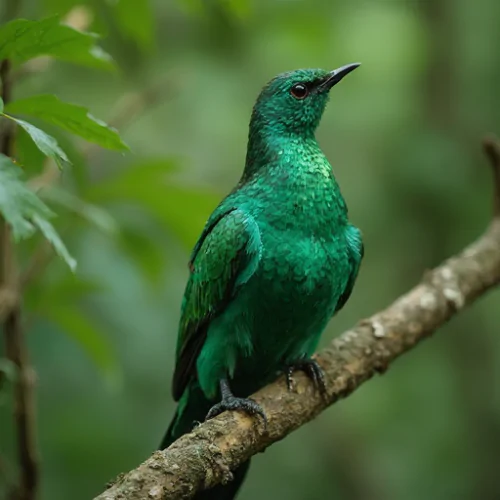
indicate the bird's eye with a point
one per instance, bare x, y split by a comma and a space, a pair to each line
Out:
299, 91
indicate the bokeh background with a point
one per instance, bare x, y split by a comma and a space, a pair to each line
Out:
403, 135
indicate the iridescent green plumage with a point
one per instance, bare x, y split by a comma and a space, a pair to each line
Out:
276, 260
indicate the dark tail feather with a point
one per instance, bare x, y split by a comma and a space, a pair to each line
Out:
168, 437
193, 407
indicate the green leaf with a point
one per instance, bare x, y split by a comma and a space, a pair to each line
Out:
27, 153
89, 337
136, 20
1, 105
24, 211
47, 229
45, 142
22, 39
96, 216
183, 209
71, 117
17, 203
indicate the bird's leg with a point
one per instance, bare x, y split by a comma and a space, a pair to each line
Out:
231, 402
311, 368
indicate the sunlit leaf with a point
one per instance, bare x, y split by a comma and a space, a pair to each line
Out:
22, 39
93, 214
71, 117
88, 336
135, 20
24, 211
45, 142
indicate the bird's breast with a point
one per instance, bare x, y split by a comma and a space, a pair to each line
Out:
301, 270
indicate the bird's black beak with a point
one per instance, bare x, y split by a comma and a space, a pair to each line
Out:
336, 75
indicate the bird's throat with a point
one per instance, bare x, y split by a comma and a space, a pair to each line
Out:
269, 149
293, 171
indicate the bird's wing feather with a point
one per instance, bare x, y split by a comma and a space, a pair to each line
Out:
225, 257
356, 252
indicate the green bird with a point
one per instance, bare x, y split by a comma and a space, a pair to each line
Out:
275, 261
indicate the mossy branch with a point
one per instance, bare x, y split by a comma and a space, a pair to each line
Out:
207, 455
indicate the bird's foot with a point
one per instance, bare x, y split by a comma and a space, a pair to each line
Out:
242, 404
312, 369
230, 403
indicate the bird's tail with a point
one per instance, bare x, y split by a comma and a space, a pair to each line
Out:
193, 407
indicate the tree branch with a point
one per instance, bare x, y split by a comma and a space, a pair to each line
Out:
207, 455
24, 408
15, 346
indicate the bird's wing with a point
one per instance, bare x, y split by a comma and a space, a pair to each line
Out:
225, 257
356, 252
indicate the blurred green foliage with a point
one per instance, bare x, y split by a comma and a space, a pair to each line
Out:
403, 137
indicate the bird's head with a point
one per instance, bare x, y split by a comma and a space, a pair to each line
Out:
294, 102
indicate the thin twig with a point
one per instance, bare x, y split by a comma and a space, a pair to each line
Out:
24, 407
15, 346
206, 456
79, 17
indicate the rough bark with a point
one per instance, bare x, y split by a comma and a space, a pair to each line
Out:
207, 455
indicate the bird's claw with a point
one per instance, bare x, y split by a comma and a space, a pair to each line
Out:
312, 369
232, 403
